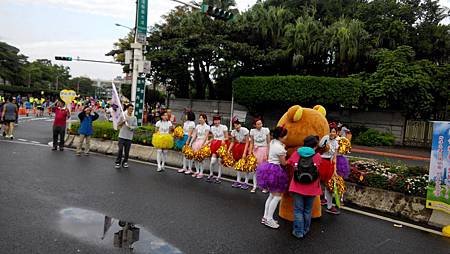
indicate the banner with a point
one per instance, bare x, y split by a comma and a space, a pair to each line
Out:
116, 105
439, 177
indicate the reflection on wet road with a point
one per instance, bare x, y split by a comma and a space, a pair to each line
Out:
99, 229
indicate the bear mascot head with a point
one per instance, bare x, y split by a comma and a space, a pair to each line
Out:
300, 123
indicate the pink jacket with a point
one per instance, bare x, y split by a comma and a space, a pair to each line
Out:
310, 189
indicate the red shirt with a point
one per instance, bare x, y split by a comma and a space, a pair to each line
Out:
310, 189
60, 117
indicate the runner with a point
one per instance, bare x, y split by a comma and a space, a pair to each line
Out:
9, 115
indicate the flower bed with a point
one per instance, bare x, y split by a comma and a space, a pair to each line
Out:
408, 180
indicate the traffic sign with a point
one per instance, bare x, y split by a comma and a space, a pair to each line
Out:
141, 31
140, 100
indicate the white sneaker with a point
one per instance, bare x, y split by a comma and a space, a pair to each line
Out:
159, 169
181, 170
272, 224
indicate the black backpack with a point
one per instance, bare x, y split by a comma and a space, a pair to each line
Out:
306, 171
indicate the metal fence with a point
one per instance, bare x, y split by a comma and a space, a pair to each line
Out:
418, 133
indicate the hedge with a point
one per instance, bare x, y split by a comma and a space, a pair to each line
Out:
256, 92
104, 129
373, 137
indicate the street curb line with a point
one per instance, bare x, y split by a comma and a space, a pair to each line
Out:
392, 220
387, 154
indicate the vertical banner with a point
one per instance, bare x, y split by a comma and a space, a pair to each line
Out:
141, 31
116, 105
439, 177
140, 100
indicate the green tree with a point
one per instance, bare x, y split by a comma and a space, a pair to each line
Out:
11, 63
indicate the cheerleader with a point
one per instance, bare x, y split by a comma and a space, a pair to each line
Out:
220, 137
162, 140
259, 145
327, 167
238, 148
198, 140
271, 176
188, 128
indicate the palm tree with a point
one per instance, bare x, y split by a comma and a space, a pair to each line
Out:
304, 40
346, 40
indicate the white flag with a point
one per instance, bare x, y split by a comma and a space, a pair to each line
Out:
116, 105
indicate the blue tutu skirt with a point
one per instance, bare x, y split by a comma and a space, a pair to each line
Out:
342, 166
272, 177
179, 143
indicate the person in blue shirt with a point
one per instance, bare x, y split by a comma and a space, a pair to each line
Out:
87, 116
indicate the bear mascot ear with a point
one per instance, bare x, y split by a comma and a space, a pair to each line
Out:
295, 113
321, 109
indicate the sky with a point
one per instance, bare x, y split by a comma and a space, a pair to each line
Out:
84, 28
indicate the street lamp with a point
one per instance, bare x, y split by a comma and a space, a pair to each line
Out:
117, 24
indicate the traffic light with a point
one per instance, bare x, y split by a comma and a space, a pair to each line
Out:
63, 58
217, 12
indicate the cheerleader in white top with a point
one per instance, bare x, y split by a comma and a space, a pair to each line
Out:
219, 137
188, 129
259, 145
162, 140
198, 140
238, 148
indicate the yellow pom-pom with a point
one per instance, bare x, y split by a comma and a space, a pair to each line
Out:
202, 154
178, 132
222, 151
344, 145
227, 160
188, 152
446, 231
250, 163
239, 166
340, 184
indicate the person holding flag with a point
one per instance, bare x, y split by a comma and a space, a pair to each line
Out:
127, 125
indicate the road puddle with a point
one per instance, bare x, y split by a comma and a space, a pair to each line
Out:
97, 228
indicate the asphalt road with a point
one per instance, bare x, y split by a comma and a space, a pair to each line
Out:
56, 202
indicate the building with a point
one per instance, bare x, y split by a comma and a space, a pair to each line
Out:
103, 88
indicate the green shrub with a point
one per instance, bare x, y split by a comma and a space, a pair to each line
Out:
104, 129
255, 92
373, 137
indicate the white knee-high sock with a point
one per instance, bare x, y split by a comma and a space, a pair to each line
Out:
255, 184
184, 163
273, 205
201, 167
219, 170
158, 157
329, 198
164, 157
266, 207
197, 167
190, 164
238, 176
212, 165
246, 178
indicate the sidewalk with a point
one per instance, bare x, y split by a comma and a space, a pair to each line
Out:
409, 153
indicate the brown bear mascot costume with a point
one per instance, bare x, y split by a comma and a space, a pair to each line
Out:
300, 123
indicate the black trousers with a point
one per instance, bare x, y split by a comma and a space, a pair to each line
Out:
124, 146
59, 131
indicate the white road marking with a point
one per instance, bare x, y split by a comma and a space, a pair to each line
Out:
21, 139
231, 180
35, 142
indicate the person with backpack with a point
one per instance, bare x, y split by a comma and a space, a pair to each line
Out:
305, 185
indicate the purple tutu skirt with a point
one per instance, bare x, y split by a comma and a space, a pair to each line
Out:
272, 177
342, 166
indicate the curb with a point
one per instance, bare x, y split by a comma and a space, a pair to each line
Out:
387, 154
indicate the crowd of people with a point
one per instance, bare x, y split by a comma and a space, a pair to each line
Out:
315, 163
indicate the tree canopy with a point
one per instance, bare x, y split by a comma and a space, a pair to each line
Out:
195, 56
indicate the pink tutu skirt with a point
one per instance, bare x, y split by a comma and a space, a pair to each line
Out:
260, 153
197, 145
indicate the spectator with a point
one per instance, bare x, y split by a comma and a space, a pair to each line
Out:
59, 125
86, 118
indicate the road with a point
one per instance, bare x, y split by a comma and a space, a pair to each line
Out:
56, 202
